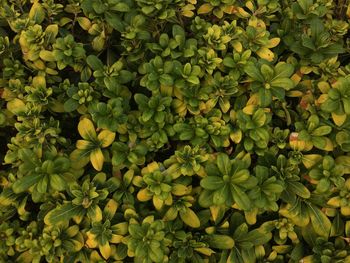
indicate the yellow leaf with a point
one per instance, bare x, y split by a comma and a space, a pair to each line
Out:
250, 216
338, 119
37, 13
144, 195
204, 9
91, 242
86, 129
158, 203
105, 250
296, 78
236, 136
265, 53
16, 106
97, 159
84, 23
47, 55
334, 201
249, 109
106, 138
179, 189
273, 42
242, 12
237, 46
111, 207
345, 210
116, 239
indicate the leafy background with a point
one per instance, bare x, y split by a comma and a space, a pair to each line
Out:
174, 131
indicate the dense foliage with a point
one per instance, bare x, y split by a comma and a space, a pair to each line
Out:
175, 131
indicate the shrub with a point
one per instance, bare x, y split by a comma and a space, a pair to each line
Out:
175, 131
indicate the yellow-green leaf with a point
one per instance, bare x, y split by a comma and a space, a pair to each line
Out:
106, 138
105, 250
97, 159
86, 129
265, 53
190, 218
204, 9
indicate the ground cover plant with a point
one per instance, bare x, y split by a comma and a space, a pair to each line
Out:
175, 131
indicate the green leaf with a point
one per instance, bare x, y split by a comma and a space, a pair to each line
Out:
94, 62
224, 163
221, 242
284, 83
322, 130
212, 182
25, 182
62, 213
70, 105
240, 197
319, 221
252, 71
298, 188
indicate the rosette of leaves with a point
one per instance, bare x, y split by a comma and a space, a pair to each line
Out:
181, 207
31, 41
314, 44
41, 175
128, 154
187, 161
79, 97
267, 191
188, 247
326, 251
252, 129
216, 38
208, 59
220, 89
336, 100
112, 11
227, 183
201, 129
67, 52
243, 244
190, 76
340, 199
236, 62
157, 72
58, 241
146, 240
327, 175
270, 81
160, 186
256, 38
85, 201
124, 190
176, 47
154, 108
111, 76
112, 115
162, 9
314, 132
8, 239
105, 234
283, 230
92, 145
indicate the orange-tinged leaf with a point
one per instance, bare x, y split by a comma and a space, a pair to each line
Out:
144, 195
273, 42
